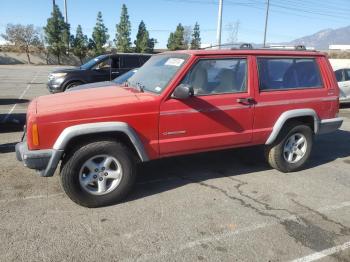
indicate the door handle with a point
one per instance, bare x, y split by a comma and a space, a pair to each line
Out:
245, 100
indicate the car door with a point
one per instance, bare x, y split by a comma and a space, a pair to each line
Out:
218, 115
345, 85
101, 71
115, 67
287, 83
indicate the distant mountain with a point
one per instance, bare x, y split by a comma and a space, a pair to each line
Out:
322, 39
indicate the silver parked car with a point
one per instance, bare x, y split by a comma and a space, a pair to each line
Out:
343, 78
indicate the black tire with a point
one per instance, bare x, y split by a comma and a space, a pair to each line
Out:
275, 152
72, 84
73, 163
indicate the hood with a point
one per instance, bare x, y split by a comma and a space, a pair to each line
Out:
67, 70
86, 99
93, 85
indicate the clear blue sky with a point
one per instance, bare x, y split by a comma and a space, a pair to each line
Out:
289, 19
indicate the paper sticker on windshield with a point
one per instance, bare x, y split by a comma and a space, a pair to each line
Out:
157, 89
174, 62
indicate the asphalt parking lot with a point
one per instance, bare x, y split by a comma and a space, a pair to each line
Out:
222, 206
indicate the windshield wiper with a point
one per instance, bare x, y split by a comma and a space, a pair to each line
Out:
140, 86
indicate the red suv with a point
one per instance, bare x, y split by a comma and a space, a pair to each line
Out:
182, 103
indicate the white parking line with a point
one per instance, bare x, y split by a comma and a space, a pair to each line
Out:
20, 97
234, 233
324, 253
30, 197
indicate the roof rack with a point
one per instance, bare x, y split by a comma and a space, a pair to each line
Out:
236, 46
227, 44
290, 47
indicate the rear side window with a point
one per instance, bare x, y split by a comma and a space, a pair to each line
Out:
288, 73
339, 75
347, 75
143, 59
131, 61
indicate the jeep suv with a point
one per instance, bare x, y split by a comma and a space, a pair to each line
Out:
181, 103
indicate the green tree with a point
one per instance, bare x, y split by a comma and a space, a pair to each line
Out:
196, 37
171, 42
23, 37
176, 39
123, 29
99, 36
57, 33
151, 43
79, 44
144, 44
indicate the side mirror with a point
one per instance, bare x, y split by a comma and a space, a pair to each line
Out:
182, 91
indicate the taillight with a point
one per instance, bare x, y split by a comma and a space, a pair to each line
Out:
35, 135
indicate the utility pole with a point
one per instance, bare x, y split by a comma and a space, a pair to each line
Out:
66, 21
218, 31
266, 20
65, 12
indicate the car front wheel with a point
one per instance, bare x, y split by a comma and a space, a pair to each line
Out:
73, 84
98, 173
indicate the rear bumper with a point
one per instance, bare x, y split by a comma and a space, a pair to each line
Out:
330, 125
344, 100
44, 161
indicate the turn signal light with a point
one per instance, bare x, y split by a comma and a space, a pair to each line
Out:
35, 135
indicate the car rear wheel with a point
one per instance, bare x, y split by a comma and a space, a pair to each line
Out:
98, 173
292, 148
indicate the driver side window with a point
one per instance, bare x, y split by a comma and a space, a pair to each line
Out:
218, 76
103, 65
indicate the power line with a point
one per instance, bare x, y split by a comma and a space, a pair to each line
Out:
259, 5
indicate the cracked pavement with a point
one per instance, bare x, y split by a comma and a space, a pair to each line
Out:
220, 206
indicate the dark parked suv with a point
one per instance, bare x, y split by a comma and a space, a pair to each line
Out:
102, 68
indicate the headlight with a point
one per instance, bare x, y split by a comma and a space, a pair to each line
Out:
57, 75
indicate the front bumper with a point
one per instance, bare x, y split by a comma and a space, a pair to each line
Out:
330, 125
44, 161
55, 85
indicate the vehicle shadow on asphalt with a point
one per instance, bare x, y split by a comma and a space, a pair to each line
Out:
345, 105
330, 147
14, 123
7, 148
12, 101
170, 173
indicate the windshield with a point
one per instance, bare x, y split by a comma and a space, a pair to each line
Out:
124, 77
157, 72
92, 62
